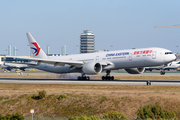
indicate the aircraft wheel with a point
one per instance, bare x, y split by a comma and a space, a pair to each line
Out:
112, 77
103, 78
84, 78
107, 77
87, 78
162, 72
79, 78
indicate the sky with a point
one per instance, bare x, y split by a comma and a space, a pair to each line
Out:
117, 24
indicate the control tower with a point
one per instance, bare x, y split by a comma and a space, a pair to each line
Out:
87, 42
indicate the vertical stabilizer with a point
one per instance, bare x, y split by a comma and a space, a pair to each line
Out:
35, 48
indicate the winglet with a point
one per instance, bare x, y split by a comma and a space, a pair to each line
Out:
35, 48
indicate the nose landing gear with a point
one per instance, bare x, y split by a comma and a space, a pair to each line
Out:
108, 77
162, 72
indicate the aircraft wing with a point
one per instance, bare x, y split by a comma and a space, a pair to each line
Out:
57, 62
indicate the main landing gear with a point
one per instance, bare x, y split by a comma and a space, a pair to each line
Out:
108, 77
83, 77
162, 72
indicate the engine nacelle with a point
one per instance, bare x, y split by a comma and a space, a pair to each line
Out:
92, 68
135, 70
22, 68
8, 68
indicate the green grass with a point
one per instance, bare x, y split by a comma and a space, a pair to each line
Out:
86, 99
6, 97
103, 99
23, 96
62, 96
1, 98
6, 102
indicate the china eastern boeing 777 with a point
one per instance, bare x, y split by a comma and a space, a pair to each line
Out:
133, 61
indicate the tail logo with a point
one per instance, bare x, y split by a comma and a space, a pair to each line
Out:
37, 49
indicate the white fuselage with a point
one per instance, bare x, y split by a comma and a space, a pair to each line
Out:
122, 59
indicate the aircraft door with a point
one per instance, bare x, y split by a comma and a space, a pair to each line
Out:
130, 56
97, 59
154, 55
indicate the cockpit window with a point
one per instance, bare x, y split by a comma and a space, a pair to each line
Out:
166, 53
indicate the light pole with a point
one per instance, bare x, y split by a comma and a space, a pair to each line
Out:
111, 46
177, 48
6, 50
47, 49
30, 51
77, 48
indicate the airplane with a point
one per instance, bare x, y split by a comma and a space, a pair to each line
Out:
10, 66
133, 61
170, 66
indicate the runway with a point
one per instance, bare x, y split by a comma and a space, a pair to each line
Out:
77, 74
95, 81
72, 80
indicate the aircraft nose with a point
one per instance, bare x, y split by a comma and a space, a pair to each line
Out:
170, 58
174, 57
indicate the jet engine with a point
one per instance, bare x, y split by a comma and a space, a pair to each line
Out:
8, 68
22, 68
92, 68
135, 70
